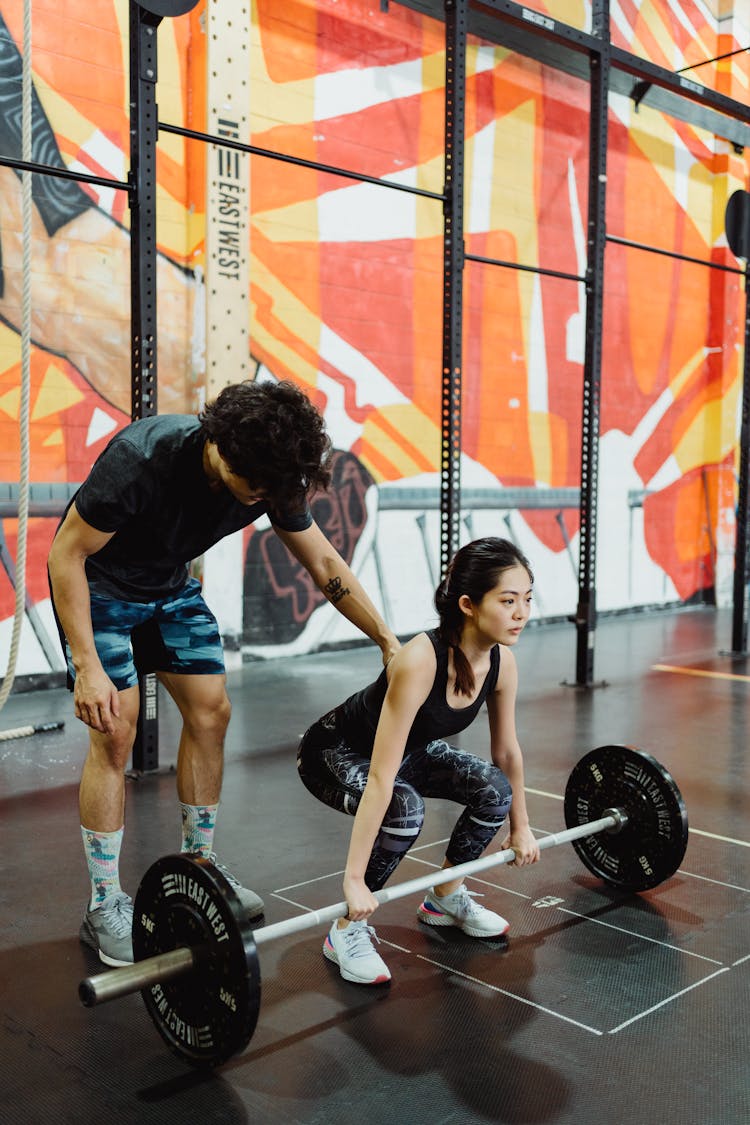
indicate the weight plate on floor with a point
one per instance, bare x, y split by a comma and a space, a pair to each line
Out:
209, 1014
651, 845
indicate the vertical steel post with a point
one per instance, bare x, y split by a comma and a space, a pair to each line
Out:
585, 618
453, 264
739, 594
143, 135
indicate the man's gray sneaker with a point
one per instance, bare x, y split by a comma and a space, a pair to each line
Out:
253, 904
108, 929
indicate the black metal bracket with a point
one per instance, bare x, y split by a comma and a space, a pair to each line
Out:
453, 263
143, 137
585, 618
742, 546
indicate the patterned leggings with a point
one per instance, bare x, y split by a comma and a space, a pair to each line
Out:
336, 774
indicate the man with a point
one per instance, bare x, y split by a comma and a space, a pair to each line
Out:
163, 491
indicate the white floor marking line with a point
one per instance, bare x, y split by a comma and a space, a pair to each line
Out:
562, 910
309, 910
307, 883
668, 1000
693, 831
724, 839
510, 995
393, 945
641, 937
500, 887
334, 874
484, 882
716, 882
299, 905
541, 1007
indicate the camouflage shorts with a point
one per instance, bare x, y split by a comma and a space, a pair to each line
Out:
177, 634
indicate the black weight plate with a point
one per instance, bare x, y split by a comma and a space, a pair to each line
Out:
737, 223
650, 847
167, 7
209, 1014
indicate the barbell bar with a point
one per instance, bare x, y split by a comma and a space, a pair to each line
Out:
166, 966
196, 962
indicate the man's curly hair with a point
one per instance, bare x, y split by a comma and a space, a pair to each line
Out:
272, 436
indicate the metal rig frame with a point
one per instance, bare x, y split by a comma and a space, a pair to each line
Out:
589, 56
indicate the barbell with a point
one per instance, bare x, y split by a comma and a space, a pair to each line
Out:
196, 962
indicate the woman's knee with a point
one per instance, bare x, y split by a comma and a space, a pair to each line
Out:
495, 793
406, 809
401, 826
500, 783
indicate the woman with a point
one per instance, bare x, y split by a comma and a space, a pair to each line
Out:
382, 751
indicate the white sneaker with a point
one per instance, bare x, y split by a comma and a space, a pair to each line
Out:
459, 909
352, 950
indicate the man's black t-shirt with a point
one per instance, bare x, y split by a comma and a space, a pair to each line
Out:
149, 487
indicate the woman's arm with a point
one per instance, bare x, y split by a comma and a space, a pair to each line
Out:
506, 753
411, 674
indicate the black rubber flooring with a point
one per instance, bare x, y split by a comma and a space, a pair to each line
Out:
604, 1006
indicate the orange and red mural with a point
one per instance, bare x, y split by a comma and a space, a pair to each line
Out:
345, 291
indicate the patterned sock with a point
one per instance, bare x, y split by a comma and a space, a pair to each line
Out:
103, 860
198, 823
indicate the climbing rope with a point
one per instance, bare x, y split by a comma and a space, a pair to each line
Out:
23, 481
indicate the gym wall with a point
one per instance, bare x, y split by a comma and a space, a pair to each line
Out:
344, 294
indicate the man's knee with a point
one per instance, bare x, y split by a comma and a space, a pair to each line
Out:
113, 750
208, 715
202, 701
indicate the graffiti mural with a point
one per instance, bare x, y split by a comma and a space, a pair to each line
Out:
345, 294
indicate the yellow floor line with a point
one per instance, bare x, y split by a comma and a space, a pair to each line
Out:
700, 672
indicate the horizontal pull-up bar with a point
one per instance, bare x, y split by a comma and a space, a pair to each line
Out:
528, 269
673, 254
64, 173
300, 161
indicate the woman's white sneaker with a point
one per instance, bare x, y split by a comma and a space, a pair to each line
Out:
352, 950
460, 909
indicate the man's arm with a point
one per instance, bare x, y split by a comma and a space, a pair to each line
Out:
95, 696
337, 582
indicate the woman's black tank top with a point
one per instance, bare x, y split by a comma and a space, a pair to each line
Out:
357, 718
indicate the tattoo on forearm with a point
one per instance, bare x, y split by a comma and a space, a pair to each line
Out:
335, 590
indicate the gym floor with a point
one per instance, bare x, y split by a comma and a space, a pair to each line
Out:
603, 1006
